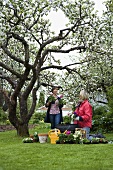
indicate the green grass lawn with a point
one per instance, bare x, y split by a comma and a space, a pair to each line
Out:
15, 155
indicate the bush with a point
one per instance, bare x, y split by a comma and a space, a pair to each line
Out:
3, 116
100, 110
102, 119
38, 116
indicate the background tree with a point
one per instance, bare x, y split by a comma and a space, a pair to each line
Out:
41, 101
94, 66
28, 47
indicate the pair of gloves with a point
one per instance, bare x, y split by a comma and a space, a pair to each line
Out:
79, 118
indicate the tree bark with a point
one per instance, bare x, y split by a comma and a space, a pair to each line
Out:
23, 130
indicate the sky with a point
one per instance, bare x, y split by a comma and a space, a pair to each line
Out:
58, 21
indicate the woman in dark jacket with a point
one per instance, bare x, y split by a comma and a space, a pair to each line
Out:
54, 111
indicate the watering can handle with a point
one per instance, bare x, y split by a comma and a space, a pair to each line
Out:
56, 130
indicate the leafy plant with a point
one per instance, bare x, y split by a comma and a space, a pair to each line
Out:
51, 98
35, 137
69, 118
110, 97
3, 116
103, 140
41, 101
38, 116
102, 119
27, 140
95, 140
69, 138
66, 119
86, 141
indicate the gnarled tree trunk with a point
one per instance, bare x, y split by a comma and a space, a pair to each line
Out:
25, 113
22, 130
20, 123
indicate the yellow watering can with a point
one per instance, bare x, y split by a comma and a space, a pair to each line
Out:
53, 134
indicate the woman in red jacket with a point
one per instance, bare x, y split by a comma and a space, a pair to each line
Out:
83, 113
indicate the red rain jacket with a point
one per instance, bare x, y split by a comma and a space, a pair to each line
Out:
85, 111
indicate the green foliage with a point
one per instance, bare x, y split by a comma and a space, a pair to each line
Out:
3, 116
38, 116
100, 111
1, 95
73, 106
64, 138
103, 115
51, 98
42, 127
35, 137
95, 140
110, 97
86, 141
67, 119
41, 101
109, 5
102, 119
27, 140
62, 101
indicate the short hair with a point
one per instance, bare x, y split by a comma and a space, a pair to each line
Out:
84, 95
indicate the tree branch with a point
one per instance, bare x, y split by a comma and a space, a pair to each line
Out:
26, 46
62, 68
11, 56
67, 51
10, 70
9, 80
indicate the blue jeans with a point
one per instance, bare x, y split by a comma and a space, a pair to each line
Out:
87, 129
54, 119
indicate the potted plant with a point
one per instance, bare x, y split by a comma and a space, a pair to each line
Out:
62, 138
35, 137
86, 141
103, 140
27, 140
43, 137
95, 140
65, 138
78, 137
70, 139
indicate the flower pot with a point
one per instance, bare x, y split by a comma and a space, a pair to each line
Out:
43, 137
